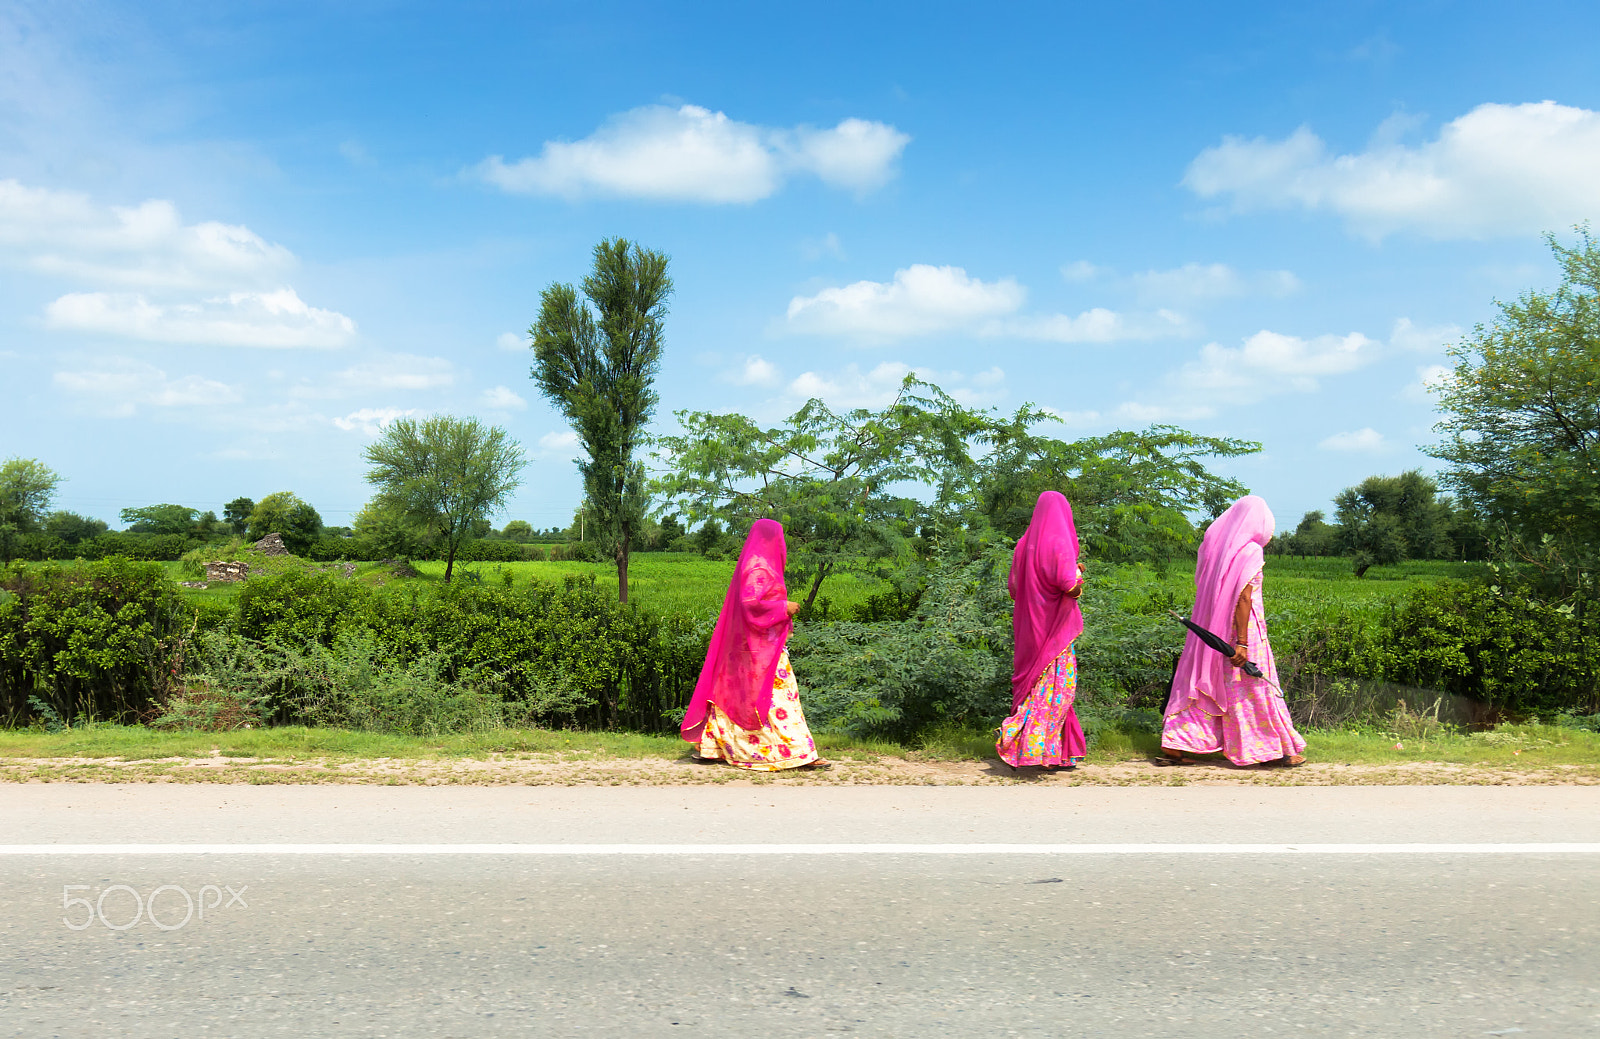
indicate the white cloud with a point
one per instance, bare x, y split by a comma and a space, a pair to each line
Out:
1081, 270
1133, 411
121, 387
1499, 169
277, 318
1430, 380
1431, 339
851, 387
509, 341
1270, 362
922, 299
372, 421
754, 371
1196, 283
502, 398
691, 154
148, 245
563, 443
1365, 439
385, 372
1098, 325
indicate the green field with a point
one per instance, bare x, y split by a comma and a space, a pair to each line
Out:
1299, 591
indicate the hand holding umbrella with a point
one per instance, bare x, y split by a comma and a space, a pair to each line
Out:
1223, 646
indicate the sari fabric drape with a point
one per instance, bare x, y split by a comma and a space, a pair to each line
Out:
1214, 706
1044, 567
749, 637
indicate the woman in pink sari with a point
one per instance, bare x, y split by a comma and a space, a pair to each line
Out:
746, 705
1214, 705
1045, 583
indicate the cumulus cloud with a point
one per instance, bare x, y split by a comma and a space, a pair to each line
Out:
120, 387
1365, 439
372, 421
511, 341
1081, 270
502, 398
1270, 362
922, 299
273, 319
562, 443
148, 245
1199, 283
692, 154
851, 387
1098, 325
754, 371
1499, 169
385, 372
1430, 380
925, 300
1407, 335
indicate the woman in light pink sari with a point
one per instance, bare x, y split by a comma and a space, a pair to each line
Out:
1215, 706
746, 705
1045, 583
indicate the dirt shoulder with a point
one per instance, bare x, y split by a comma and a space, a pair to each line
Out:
552, 770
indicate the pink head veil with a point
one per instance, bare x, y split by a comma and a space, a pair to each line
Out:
749, 636
1044, 567
1230, 555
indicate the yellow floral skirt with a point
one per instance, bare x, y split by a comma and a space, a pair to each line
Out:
783, 742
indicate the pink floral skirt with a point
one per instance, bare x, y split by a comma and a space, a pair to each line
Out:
1257, 728
783, 742
1044, 730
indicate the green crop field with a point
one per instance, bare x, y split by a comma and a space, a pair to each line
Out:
1299, 591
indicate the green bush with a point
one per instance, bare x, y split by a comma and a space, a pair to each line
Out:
1512, 655
90, 640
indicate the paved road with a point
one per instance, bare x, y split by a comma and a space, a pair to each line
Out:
880, 945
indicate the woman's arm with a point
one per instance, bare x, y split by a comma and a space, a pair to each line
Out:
1241, 626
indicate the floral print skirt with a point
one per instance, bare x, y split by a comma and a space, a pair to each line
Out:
1044, 730
784, 742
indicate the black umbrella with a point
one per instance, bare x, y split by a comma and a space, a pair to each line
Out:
1221, 645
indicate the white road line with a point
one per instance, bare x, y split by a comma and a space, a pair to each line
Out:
799, 849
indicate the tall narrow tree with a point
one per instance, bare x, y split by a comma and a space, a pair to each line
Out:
596, 358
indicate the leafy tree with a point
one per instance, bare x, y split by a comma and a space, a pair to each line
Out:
519, 531
72, 528
284, 514
388, 534
1313, 536
444, 475
596, 360
671, 530
1522, 425
829, 477
1132, 492
237, 513
27, 487
160, 519
1388, 519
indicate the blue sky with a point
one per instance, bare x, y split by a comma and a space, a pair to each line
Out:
235, 241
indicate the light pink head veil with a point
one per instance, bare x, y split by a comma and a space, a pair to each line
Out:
1044, 567
749, 636
1230, 555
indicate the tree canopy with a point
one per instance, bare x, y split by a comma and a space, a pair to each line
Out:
1522, 416
27, 487
284, 514
443, 475
837, 481
1387, 519
596, 359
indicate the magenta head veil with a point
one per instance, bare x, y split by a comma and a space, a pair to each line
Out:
1230, 555
1044, 567
749, 636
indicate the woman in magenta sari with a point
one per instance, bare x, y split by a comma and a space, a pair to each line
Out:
1215, 706
746, 705
1045, 583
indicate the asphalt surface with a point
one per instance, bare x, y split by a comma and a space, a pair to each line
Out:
792, 945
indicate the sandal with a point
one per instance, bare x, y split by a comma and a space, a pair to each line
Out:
1173, 757
819, 764
1292, 760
